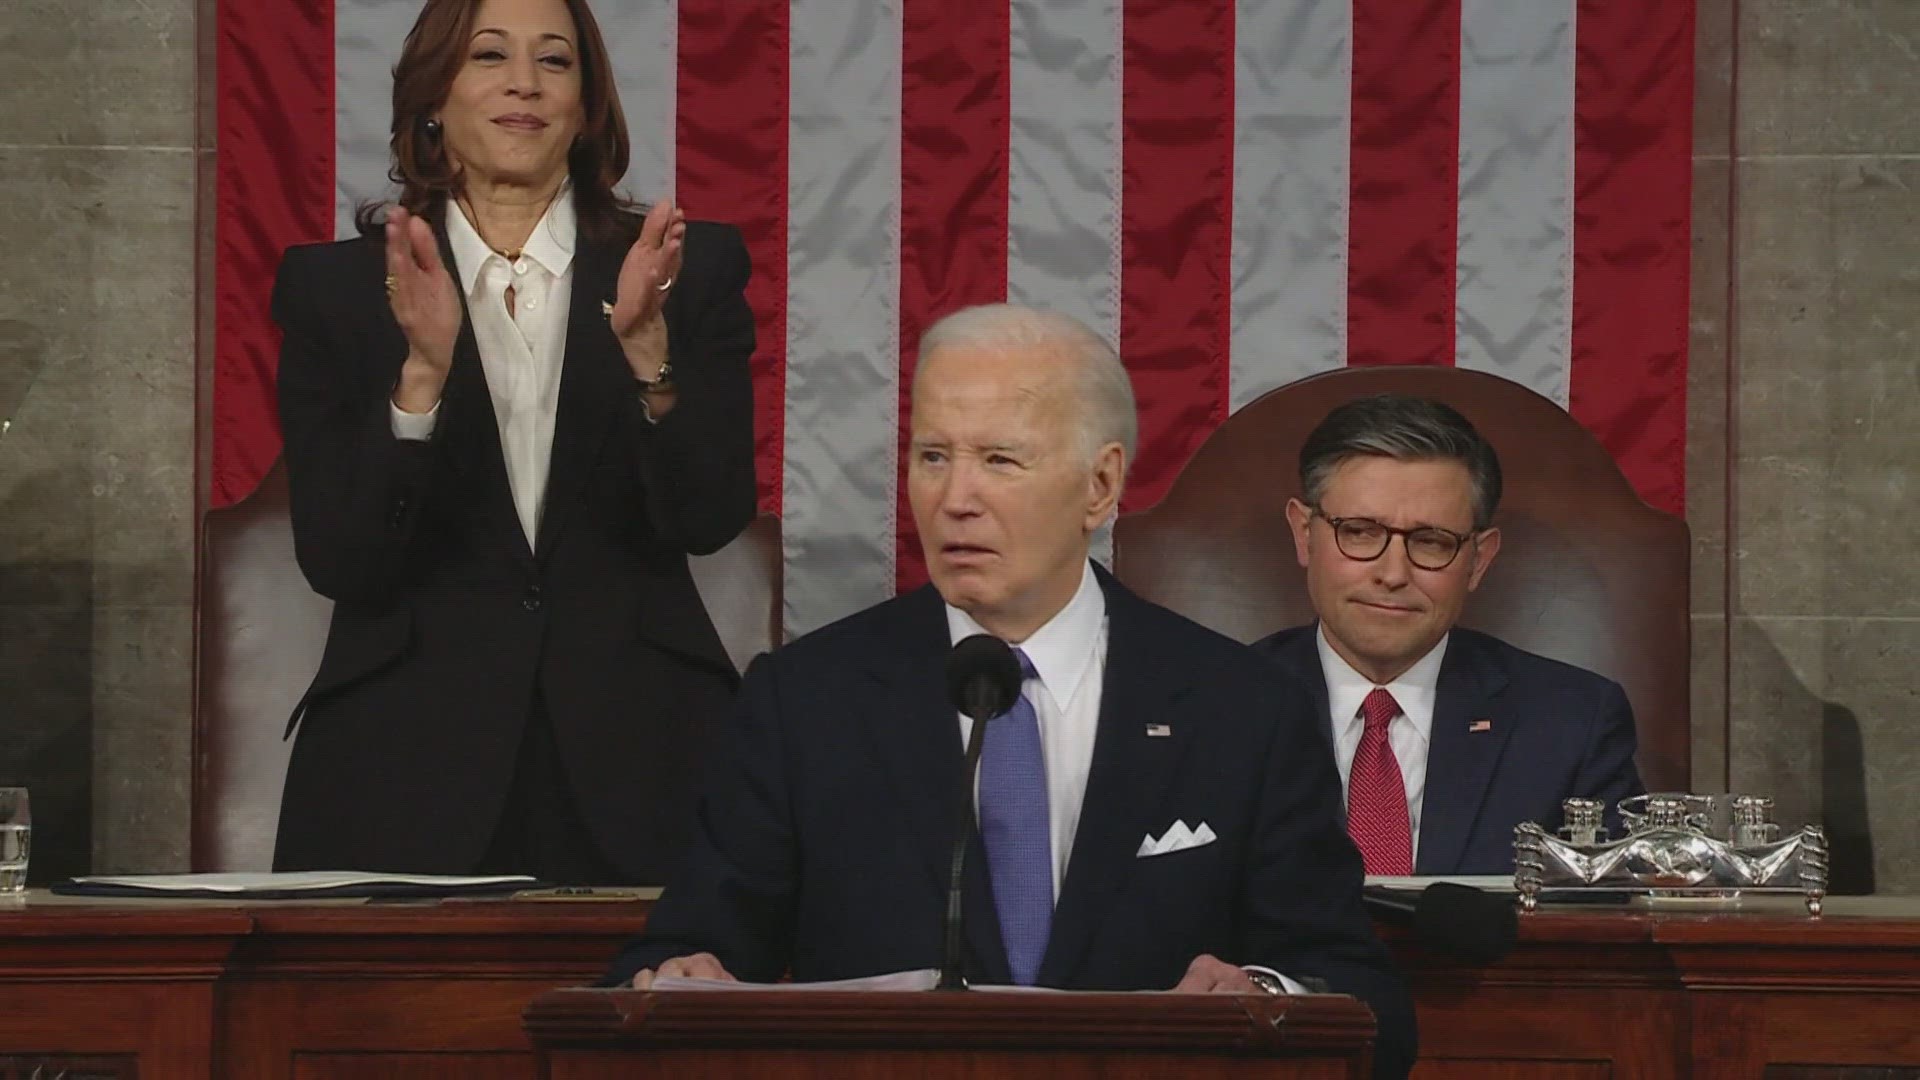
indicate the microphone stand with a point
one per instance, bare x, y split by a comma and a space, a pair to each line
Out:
951, 977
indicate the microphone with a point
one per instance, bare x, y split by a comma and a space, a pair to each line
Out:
983, 681
1446, 917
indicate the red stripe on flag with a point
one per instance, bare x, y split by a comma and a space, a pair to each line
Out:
1176, 220
1633, 109
1405, 179
954, 101
731, 166
273, 188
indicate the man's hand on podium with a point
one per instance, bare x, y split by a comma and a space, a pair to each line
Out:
1209, 974
698, 966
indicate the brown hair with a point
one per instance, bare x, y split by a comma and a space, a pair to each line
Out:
434, 52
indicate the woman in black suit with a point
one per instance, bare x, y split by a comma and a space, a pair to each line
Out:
512, 408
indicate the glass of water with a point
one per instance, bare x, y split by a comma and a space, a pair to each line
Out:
16, 840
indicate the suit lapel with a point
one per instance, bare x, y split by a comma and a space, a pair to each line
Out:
1460, 761
1127, 783
595, 383
1299, 656
918, 733
468, 425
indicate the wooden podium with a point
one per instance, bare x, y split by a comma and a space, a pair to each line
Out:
817, 1035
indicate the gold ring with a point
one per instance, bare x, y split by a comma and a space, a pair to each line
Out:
665, 285
393, 286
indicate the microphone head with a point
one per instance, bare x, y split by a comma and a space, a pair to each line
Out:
983, 678
1470, 923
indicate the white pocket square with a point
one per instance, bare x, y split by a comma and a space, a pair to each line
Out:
1177, 838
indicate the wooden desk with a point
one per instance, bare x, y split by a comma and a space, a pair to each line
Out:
827, 1035
1764, 991
437, 991
289, 991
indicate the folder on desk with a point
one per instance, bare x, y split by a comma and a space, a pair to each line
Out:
290, 886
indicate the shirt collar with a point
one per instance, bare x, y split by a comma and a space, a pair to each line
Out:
1062, 650
1415, 690
551, 244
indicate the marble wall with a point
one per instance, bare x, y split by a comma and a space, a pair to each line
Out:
1801, 471
98, 158
1824, 597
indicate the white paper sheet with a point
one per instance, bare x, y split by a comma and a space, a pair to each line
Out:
241, 884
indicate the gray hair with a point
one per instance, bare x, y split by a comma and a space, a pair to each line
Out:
1405, 428
1103, 398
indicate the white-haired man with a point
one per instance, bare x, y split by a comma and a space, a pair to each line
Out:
822, 841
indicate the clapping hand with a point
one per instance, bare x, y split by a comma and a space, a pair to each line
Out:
426, 307
641, 295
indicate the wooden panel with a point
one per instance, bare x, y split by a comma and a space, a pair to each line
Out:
1827, 1072
414, 1067
1836, 1073
1754, 1033
930, 1065
1631, 1032
67, 1067
167, 1027
273, 1026
416, 986
1087, 1022
1507, 1069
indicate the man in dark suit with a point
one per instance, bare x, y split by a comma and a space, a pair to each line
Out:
1158, 810
1445, 738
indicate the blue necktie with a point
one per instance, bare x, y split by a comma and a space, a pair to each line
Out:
1017, 832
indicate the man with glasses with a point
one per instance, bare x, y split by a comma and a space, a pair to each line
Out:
1446, 738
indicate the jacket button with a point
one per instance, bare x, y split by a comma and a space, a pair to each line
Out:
532, 600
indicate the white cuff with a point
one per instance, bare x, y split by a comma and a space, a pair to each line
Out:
414, 427
1292, 987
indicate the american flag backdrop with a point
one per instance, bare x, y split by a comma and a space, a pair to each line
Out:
1237, 193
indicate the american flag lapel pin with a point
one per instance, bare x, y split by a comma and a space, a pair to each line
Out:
1479, 726
1159, 731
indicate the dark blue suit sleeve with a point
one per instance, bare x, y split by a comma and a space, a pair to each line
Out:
733, 896
1606, 767
1303, 914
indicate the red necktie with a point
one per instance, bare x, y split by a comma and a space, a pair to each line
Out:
1377, 795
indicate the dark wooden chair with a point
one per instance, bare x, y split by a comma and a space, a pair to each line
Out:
260, 629
1587, 573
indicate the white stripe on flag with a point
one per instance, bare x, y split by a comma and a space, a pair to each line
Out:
643, 37
1293, 111
1063, 179
1063, 166
367, 36
843, 308
1515, 259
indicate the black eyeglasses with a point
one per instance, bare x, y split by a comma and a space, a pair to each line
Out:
1429, 547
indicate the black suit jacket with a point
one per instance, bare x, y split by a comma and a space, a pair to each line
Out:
1553, 731
446, 621
823, 838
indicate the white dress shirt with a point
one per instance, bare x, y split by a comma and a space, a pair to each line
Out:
522, 352
1409, 733
1069, 655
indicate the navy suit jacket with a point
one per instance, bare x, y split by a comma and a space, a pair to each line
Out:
1553, 731
823, 838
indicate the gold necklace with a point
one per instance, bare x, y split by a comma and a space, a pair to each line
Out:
512, 255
